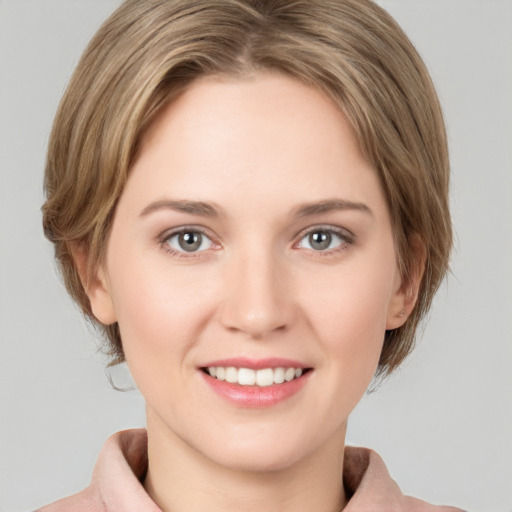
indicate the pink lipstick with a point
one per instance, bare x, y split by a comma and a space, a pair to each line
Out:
255, 383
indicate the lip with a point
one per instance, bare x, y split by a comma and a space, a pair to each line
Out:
256, 364
255, 397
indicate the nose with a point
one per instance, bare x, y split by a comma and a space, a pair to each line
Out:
256, 296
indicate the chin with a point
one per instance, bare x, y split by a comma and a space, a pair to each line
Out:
271, 451
250, 460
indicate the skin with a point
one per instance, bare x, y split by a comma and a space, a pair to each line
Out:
256, 148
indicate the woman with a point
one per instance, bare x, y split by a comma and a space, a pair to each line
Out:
250, 199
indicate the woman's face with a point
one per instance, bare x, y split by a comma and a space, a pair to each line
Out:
253, 235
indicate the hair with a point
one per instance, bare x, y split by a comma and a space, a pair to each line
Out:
149, 51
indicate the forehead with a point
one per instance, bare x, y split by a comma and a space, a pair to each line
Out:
266, 136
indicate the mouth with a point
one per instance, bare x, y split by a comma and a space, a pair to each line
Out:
263, 377
255, 383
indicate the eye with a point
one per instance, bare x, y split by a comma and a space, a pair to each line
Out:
188, 241
323, 240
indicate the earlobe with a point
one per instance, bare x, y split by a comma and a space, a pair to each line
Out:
401, 306
96, 287
100, 298
407, 288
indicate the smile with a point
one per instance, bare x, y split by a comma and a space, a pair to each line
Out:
263, 377
255, 383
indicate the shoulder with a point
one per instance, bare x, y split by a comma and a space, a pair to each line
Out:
86, 501
116, 480
370, 487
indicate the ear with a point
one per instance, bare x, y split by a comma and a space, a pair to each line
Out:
407, 288
96, 287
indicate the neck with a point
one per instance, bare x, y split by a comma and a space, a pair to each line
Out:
180, 479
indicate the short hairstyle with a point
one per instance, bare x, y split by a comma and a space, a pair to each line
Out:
148, 51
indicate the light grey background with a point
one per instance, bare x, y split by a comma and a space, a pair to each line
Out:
443, 423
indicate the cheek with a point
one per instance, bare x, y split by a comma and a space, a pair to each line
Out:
160, 319
160, 310
348, 311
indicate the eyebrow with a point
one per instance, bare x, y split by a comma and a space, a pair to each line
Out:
209, 210
329, 205
192, 207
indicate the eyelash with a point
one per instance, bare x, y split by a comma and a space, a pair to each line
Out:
347, 239
168, 235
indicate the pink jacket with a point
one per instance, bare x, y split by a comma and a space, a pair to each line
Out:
116, 487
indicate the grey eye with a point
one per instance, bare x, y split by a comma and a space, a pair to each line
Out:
189, 241
321, 240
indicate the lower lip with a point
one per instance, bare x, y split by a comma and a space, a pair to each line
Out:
255, 396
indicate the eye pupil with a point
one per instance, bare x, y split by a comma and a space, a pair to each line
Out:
190, 241
320, 240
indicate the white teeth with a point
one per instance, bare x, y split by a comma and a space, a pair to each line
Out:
265, 377
248, 377
231, 375
279, 375
289, 374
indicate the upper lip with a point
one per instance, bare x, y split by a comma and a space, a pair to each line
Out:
255, 364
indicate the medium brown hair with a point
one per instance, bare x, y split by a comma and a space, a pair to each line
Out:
149, 51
